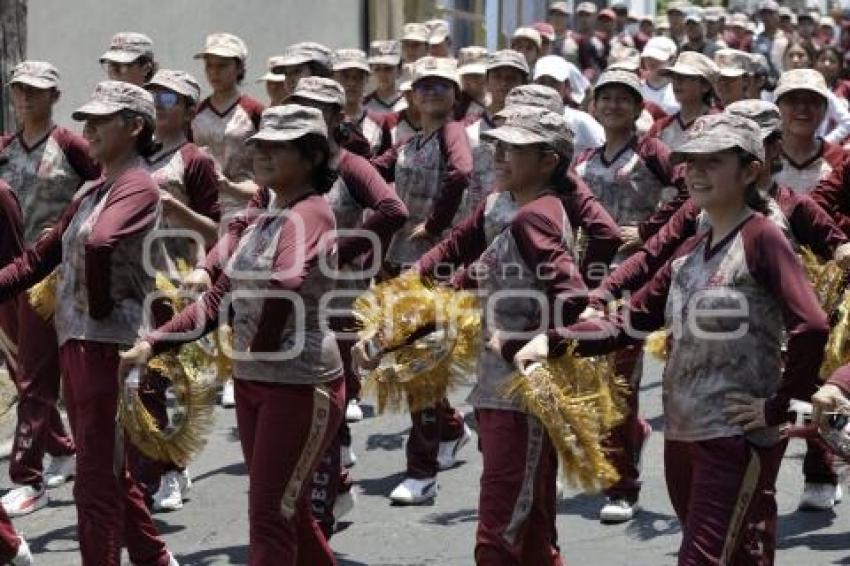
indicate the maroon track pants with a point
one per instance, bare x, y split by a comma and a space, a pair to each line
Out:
32, 357
724, 493
284, 430
516, 509
9, 539
441, 423
110, 508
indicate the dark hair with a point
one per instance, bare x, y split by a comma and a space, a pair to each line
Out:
562, 178
324, 176
837, 53
319, 70
811, 51
752, 196
142, 61
146, 146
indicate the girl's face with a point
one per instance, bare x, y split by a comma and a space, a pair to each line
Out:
828, 65
353, 82
650, 67
797, 58
718, 181
277, 92
616, 108
33, 104
385, 76
134, 73
111, 137
434, 96
222, 72
474, 85
501, 80
528, 49
172, 112
802, 112
731, 89
689, 90
295, 73
522, 166
280, 165
413, 51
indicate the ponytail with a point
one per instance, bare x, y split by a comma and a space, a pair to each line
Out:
562, 180
146, 146
753, 198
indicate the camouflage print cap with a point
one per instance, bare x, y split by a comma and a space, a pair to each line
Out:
350, 59
307, 52
720, 132
438, 31
37, 74
538, 96
439, 67
127, 46
385, 53
623, 78
732, 62
111, 97
472, 60
758, 65
528, 33
180, 82
765, 114
319, 89
526, 125
275, 62
224, 45
415, 31
289, 122
508, 58
801, 79
693, 64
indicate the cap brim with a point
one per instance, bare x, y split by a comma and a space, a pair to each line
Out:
511, 65
780, 92
391, 60
656, 54
352, 65
546, 73
174, 88
602, 84
415, 39
35, 82
513, 136
454, 79
698, 146
219, 52
122, 57
683, 70
437, 39
312, 97
95, 108
277, 136
272, 77
472, 69
732, 73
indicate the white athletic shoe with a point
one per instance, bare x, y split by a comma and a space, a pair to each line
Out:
447, 456
353, 412
344, 503
347, 457
228, 396
820, 496
24, 556
413, 492
172, 561
24, 500
168, 497
618, 511
60, 470
185, 481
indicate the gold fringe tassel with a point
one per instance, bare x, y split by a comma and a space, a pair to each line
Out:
42, 295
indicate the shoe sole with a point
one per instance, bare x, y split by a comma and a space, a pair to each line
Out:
28, 511
418, 500
618, 520
162, 509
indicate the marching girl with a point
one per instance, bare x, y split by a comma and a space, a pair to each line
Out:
431, 172
45, 165
472, 68
726, 392
518, 492
404, 124
129, 58
359, 188
385, 65
632, 179
188, 186
288, 373
691, 76
98, 242
351, 70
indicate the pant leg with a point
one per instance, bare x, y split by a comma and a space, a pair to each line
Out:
731, 516
325, 485
818, 463
450, 421
517, 500
292, 426
625, 441
147, 471
109, 509
9, 539
678, 470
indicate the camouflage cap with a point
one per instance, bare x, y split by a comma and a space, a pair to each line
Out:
415, 31
526, 125
538, 96
180, 82
224, 45
319, 89
307, 52
350, 59
289, 122
530, 34
472, 60
693, 64
765, 114
732, 62
624, 58
627, 79
562, 7
274, 62
110, 97
127, 46
438, 31
719, 132
439, 67
587, 8
758, 64
37, 74
801, 79
508, 58
385, 52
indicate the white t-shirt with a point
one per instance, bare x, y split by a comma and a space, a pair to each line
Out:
663, 97
588, 133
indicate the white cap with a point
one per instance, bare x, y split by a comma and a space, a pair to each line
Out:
552, 66
660, 48
528, 33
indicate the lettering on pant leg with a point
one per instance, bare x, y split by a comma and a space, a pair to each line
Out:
312, 445
749, 483
522, 506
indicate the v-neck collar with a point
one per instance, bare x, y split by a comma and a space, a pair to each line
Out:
36, 145
712, 250
153, 160
226, 112
617, 155
818, 154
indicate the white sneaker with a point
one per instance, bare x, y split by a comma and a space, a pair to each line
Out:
172, 561
447, 456
820, 496
228, 396
60, 470
344, 504
347, 457
185, 481
353, 412
618, 511
168, 496
24, 500
413, 492
24, 556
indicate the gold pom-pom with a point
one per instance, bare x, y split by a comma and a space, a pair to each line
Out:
428, 337
42, 295
656, 345
837, 350
827, 279
578, 401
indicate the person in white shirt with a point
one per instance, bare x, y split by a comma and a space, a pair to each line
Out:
658, 53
